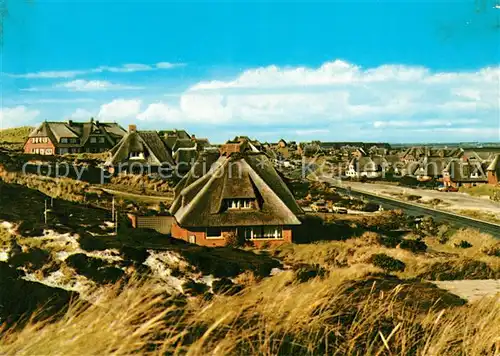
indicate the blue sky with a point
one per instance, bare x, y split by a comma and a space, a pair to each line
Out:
392, 71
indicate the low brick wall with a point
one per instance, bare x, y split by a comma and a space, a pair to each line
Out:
198, 236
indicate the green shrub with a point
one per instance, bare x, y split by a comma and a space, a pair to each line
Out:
463, 244
307, 272
414, 246
234, 240
225, 286
387, 263
194, 288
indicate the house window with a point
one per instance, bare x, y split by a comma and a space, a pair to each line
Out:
63, 151
93, 139
101, 139
136, 155
213, 233
73, 140
42, 151
48, 151
64, 140
263, 232
240, 203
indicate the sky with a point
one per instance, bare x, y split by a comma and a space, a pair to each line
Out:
394, 71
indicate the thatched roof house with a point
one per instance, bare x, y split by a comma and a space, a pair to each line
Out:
240, 194
73, 137
140, 148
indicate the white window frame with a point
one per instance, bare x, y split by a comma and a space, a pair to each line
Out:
237, 204
278, 233
136, 155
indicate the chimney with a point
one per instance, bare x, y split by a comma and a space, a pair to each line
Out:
70, 122
193, 137
132, 128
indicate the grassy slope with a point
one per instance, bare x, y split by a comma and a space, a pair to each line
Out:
16, 135
352, 308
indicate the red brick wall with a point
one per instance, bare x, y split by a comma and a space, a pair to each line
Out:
201, 239
29, 146
492, 178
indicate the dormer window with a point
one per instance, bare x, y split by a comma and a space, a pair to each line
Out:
136, 155
240, 204
64, 140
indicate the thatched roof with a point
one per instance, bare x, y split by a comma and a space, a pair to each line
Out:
247, 175
495, 164
147, 142
79, 130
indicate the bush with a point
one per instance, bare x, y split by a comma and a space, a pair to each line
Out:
94, 268
194, 288
387, 263
90, 243
307, 272
225, 286
234, 240
414, 246
463, 244
390, 241
492, 250
35, 258
137, 255
458, 270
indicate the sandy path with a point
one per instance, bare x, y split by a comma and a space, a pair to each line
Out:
471, 290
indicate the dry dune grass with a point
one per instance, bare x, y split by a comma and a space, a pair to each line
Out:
344, 313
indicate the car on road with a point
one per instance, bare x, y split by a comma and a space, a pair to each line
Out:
338, 210
448, 189
319, 206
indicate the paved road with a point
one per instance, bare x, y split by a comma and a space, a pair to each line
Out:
416, 210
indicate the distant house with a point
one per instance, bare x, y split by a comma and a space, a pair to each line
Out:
366, 166
241, 195
282, 143
58, 138
493, 171
140, 149
427, 168
170, 137
464, 173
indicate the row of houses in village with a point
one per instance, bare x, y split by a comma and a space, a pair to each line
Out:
453, 167
125, 147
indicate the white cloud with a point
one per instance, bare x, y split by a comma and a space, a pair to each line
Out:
93, 85
81, 114
169, 65
17, 116
338, 94
125, 68
160, 112
120, 109
82, 85
308, 132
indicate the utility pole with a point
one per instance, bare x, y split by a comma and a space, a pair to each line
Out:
45, 213
116, 223
113, 210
